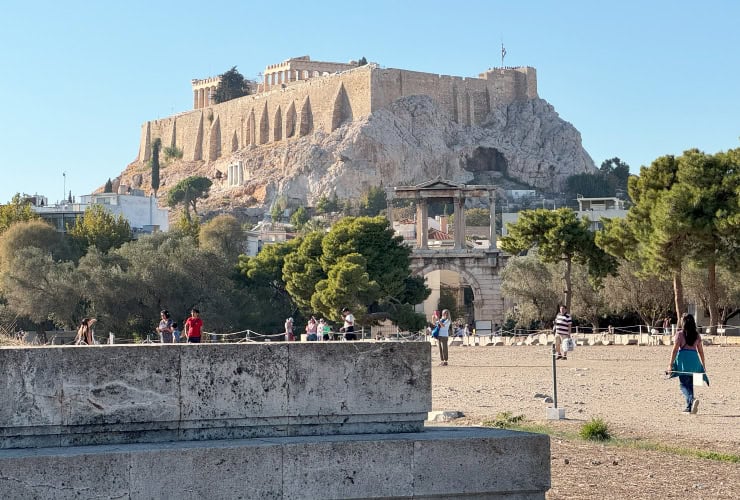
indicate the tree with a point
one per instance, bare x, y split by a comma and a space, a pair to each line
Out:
630, 290
477, 217
645, 235
684, 209
187, 192
616, 172
232, 85
129, 286
347, 284
172, 153
588, 302
327, 205
531, 285
154, 163
359, 253
108, 186
17, 210
362, 61
388, 259
299, 218
263, 276
32, 233
373, 201
559, 237
40, 288
222, 235
727, 288
187, 227
705, 198
588, 186
101, 229
302, 270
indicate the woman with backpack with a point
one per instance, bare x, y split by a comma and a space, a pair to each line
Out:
687, 358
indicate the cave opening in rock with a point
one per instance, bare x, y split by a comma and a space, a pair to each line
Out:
486, 159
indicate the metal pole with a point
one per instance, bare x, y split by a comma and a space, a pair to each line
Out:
554, 378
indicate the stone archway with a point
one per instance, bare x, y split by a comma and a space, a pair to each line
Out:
442, 266
480, 270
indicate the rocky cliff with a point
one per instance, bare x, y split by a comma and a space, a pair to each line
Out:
524, 143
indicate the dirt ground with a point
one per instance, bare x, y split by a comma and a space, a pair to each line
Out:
625, 386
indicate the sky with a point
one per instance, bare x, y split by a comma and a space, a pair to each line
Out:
638, 79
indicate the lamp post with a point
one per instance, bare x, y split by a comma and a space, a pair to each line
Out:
64, 190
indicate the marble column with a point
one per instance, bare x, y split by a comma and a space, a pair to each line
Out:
492, 206
459, 223
421, 224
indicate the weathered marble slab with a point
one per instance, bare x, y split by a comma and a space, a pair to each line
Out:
68, 396
436, 463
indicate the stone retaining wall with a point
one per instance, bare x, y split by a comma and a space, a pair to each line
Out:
66, 396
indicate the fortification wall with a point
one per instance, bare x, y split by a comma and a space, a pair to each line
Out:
465, 100
321, 103
324, 103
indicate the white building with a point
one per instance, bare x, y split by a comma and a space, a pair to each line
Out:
593, 208
142, 212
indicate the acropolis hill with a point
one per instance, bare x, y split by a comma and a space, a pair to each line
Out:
316, 128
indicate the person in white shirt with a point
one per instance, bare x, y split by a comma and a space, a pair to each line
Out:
349, 325
563, 324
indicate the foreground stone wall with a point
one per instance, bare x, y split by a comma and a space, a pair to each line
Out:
66, 396
438, 463
178, 415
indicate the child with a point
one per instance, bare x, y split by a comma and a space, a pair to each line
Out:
175, 333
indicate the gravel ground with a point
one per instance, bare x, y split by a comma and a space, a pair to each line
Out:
625, 386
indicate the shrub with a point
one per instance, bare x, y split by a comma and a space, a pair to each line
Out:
595, 430
505, 420
172, 152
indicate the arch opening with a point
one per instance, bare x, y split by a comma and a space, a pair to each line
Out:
451, 290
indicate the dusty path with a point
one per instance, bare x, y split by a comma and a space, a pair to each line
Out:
625, 386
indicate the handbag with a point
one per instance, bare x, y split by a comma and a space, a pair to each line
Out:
435, 332
569, 345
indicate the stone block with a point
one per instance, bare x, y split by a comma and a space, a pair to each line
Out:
554, 413
66, 396
498, 463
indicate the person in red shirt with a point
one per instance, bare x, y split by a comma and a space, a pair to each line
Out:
193, 326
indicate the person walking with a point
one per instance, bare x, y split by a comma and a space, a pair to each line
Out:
193, 327
165, 327
175, 334
323, 330
443, 336
289, 337
311, 330
563, 324
349, 325
687, 358
85, 333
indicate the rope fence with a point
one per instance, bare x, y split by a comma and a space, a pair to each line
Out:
625, 335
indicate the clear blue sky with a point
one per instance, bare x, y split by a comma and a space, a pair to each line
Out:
638, 79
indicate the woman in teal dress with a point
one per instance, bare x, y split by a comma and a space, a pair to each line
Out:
687, 358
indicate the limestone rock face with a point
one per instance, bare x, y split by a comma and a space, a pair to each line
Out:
407, 143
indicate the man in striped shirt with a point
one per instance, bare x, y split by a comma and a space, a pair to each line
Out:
563, 322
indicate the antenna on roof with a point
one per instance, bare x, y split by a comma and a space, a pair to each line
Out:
503, 53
